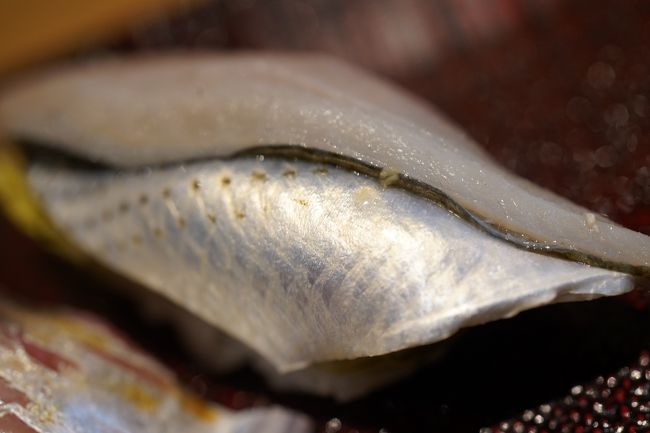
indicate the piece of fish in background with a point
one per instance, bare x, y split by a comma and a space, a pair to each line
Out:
65, 370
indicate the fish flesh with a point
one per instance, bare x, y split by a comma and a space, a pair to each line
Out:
64, 370
306, 208
164, 109
305, 263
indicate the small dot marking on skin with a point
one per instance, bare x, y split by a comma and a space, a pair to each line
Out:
240, 215
225, 181
196, 185
289, 172
258, 175
166, 193
144, 199
301, 201
321, 171
388, 176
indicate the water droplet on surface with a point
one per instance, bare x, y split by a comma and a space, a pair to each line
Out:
632, 143
605, 156
551, 153
333, 425
616, 115
601, 75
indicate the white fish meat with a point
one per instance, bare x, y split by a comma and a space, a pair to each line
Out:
351, 221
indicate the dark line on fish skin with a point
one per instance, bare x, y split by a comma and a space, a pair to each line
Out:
436, 195
51, 154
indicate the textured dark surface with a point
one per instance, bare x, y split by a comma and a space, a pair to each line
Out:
610, 404
557, 91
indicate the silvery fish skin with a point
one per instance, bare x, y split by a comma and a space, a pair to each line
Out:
140, 111
303, 261
306, 263
342, 380
67, 371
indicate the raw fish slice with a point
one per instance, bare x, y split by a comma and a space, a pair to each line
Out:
305, 263
136, 112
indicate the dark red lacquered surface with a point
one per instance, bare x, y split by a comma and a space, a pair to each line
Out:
619, 402
556, 91
564, 102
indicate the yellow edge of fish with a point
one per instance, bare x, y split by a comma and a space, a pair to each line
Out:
22, 207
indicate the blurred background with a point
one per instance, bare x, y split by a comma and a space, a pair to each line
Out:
555, 90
